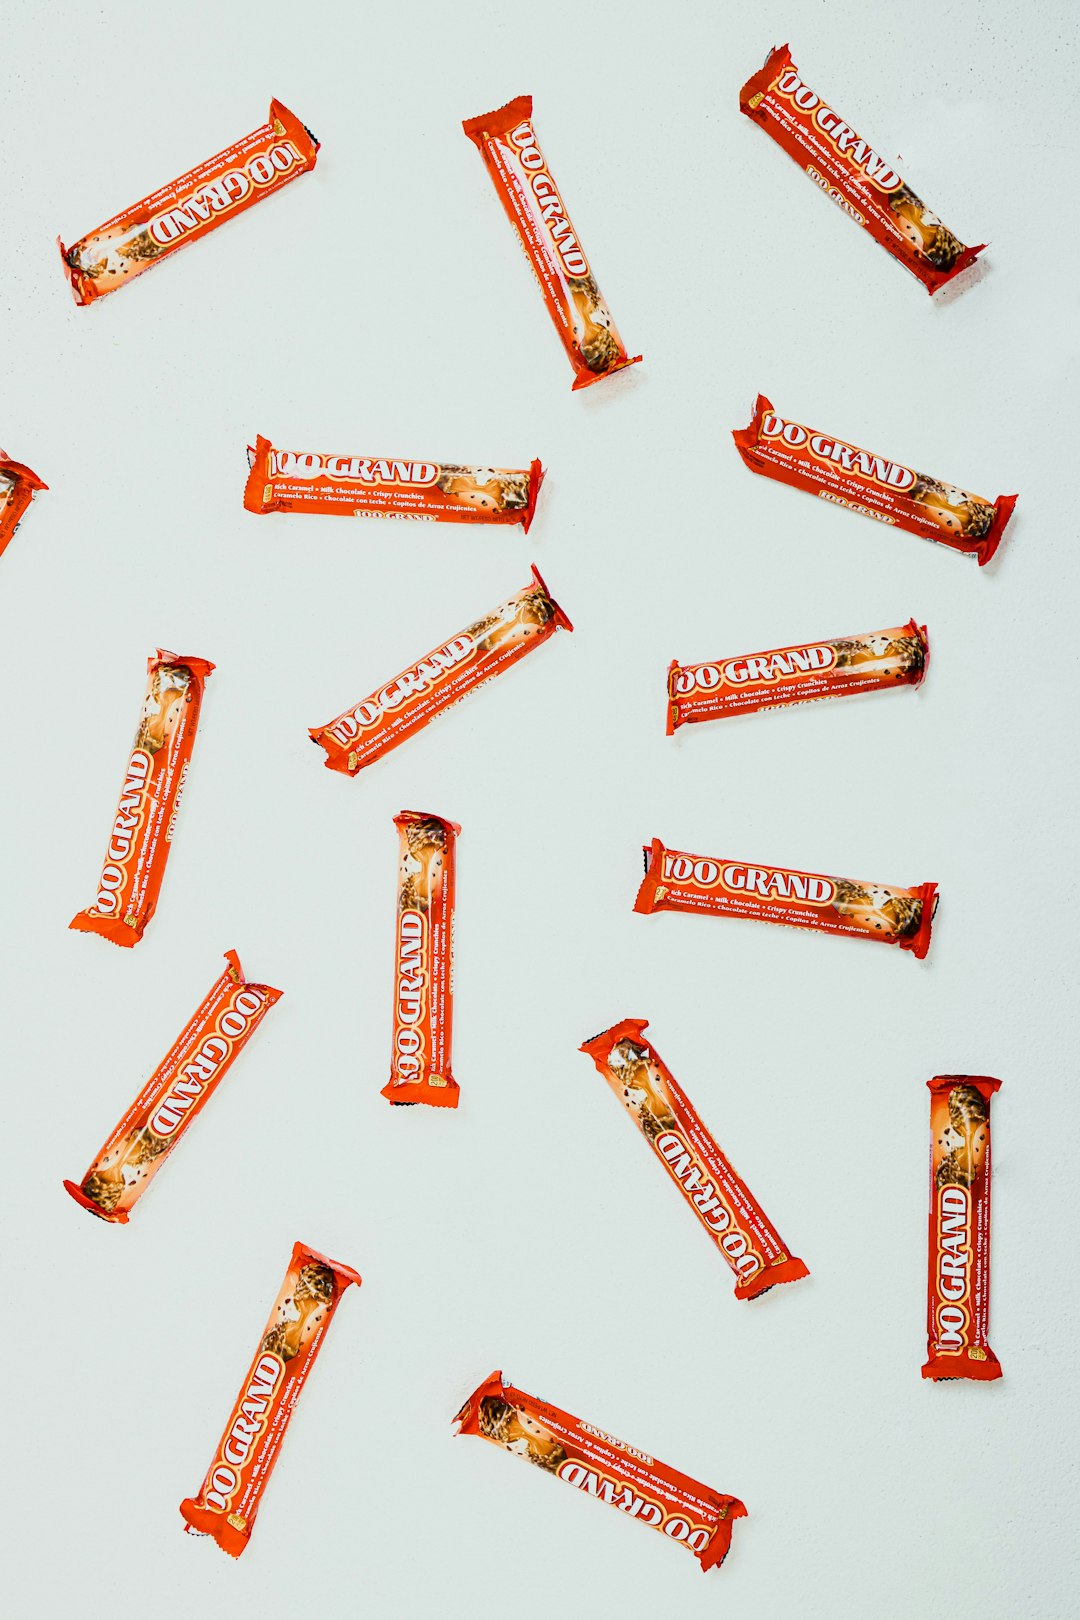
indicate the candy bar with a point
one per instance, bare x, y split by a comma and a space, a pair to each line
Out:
360, 486
179, 1087
424, 962
864, 185
229, 1498
146, 815
18, 486
689, 1513
677, 881
722, 1202
252, 168
873, 485
958, 1275
798, 674
520, 175
395, 712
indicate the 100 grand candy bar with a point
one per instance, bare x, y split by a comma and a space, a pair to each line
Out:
849, 171
186, 209
796, 674
721, 1200
958, 1272
18, 486
677, 881
180, 1086
518, 168
873, 485
395, 712
359, 486
690, 1514
424, 962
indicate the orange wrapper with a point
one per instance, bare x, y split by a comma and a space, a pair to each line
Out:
367, 486
146, 815
692, 1515
958, 1279
519, 173
179, 1087
18, 486
667, 1121
229, 1498
872, 485
865, 186
424, 963
252, 168
722, 1202
798, 674
677, 881
395, 712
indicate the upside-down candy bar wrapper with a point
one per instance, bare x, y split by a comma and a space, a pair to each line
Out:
812, 669
692, 1515
519, 172
678, 881
18, 486
864, 185
958, 1273
180, 212
420, 1064
361, 486
396, 711
142, 829
724, 1205
230, 1495
178, 1089
874, 486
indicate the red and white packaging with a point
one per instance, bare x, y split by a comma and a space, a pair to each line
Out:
179, 1088
875, 486
395, 712
724, 1205
420, 1064
308, 481
18, 486
186, 209
958, 1275
690, 1514
519, 172
864, 185
678, 881
798, 674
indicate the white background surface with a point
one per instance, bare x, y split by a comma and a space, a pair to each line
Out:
381, 305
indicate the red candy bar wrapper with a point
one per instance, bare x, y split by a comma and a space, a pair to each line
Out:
229, 1498
873, 485
142, 831
722, 1202
424, 962
691, 1514
18, 486
252, 168
849, 171
179, 1087
677, 881
958, 1277
519, 173
362, 486
798, 674
393, 713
